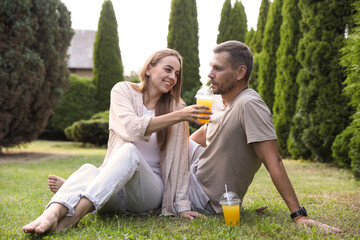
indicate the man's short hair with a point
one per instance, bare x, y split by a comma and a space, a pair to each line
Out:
239, 54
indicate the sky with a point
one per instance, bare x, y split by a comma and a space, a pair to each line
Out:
143, 26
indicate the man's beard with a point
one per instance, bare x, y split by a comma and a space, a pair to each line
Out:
224, 89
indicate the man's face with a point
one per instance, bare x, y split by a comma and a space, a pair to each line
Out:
222, 77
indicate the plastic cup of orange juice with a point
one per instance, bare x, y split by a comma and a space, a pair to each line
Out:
204, 97
230, 203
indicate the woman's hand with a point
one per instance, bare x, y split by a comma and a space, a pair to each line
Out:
190, 214
192, 113
301, 220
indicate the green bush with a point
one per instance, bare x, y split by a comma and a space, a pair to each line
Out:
341, 147
77, 103
354, 152
34, 38
95, 130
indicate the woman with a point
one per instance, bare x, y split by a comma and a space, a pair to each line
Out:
144, 167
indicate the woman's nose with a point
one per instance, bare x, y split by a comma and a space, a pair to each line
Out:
173, 75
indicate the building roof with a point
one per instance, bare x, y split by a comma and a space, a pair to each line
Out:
81, 49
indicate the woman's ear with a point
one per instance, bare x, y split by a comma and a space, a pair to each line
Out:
148, 72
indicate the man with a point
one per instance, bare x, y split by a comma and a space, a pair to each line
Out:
239, 137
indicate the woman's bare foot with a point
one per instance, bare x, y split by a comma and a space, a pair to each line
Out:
55, 183
66, 223
82, 208
47, 221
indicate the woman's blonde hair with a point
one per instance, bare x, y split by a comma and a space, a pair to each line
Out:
164, 105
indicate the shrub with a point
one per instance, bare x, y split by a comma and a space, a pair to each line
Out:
341, 146
354, 152
34, 38
95, 130
77, 103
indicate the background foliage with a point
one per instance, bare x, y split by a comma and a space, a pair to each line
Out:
183, 37
108, 68
77, 103
346, 147
34, 38
270, 44
321, 111
94, 130
287, 67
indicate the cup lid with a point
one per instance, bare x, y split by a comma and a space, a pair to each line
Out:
229, 198
204, 92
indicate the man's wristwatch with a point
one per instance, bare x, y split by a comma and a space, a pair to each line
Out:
301, 212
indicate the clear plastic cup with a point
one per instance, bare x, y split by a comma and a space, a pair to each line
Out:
204, 96
231, 203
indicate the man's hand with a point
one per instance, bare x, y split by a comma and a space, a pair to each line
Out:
301, 220
190, 214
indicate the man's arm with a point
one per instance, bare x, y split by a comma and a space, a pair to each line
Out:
268, 153
199, 136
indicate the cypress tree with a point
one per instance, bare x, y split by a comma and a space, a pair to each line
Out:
34, 38
321, 111
349, 139
224, 23
260, 27
249, 37
248, 41
270, 44
238, 22
108, 68
183, 37
254, 83
287, 67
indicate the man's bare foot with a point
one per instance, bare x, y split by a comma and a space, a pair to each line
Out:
55, 183
47, 221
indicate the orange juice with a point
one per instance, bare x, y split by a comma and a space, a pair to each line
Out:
231, 214
206, 102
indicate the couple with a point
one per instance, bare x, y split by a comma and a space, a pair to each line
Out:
147, 163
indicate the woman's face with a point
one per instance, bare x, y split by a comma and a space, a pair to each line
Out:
163, 76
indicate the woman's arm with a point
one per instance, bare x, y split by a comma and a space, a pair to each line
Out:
190, 114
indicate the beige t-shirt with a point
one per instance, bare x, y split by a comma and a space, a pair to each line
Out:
229, 157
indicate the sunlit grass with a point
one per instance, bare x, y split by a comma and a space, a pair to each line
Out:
331, 195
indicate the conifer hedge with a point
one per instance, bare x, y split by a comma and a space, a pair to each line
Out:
346, 147
270, 44
321, 111
287, 67
256, 44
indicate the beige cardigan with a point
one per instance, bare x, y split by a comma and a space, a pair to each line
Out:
126, 124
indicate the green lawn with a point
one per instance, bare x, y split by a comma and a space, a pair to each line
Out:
330, 195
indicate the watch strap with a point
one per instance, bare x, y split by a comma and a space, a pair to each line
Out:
300, 212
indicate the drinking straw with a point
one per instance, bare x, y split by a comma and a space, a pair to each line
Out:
227, 197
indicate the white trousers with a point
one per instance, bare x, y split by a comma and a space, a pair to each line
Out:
127, 182
199, 200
